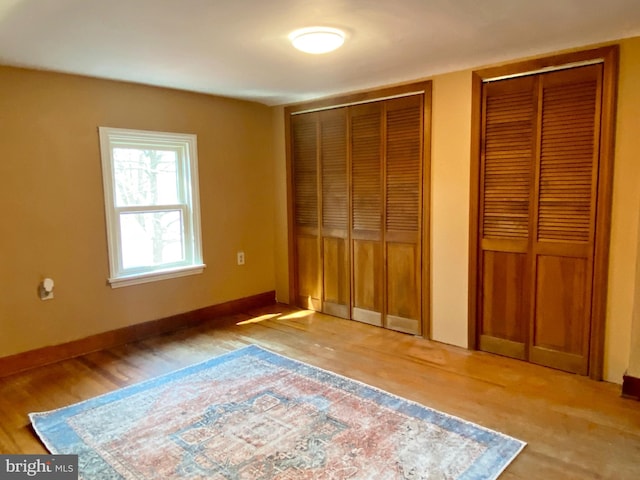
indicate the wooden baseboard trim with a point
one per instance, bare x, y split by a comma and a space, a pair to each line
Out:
47, 355
631, 387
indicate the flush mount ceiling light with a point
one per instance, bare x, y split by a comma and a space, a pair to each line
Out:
317, 40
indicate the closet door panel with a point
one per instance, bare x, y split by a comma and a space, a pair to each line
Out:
309, 290
336, 277
403, 212
508, 149
335, 212
304, 132
367, 282
403, 287
561, 309
366, 212
504, 303
567, 178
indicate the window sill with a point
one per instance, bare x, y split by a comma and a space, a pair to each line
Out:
148, 277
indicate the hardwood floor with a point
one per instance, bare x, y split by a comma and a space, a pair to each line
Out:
575, 428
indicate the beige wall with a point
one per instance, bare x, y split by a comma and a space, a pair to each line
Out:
634, 356
450, 175
53, 214
624, 282
450, 163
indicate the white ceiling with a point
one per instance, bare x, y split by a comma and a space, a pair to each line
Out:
239, 48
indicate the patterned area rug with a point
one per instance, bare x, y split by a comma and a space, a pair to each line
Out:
252, 414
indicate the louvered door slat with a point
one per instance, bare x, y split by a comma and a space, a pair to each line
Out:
567, 161
305, 171
335, 193
507, 154
403, 166
366, 165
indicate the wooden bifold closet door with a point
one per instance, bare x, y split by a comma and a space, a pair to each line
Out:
357, 203
537, 215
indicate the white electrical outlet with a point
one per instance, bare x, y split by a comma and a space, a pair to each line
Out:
46, 289
240, 258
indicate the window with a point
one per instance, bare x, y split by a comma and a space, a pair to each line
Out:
151, 203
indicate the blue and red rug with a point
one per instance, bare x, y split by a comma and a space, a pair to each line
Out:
252, 414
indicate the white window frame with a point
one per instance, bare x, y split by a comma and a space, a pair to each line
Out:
185, 145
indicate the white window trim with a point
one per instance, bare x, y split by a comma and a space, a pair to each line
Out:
187, 144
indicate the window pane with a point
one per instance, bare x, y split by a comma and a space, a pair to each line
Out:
151, 238
145, 177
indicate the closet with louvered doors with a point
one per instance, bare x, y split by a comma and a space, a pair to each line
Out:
357, 210
537, 216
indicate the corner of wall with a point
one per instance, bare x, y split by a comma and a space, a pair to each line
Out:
281, 253
623, 302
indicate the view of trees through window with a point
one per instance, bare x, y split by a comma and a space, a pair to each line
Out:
150, 206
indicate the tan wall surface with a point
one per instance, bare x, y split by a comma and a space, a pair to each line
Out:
450, 175
634, 355
623, 281
53, 216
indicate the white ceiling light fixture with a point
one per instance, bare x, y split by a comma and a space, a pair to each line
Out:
317, 40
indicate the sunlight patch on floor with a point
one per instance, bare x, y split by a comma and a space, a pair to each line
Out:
272, 316
299, 314
260, 318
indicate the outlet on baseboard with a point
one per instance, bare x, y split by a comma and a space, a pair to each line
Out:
240, 257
